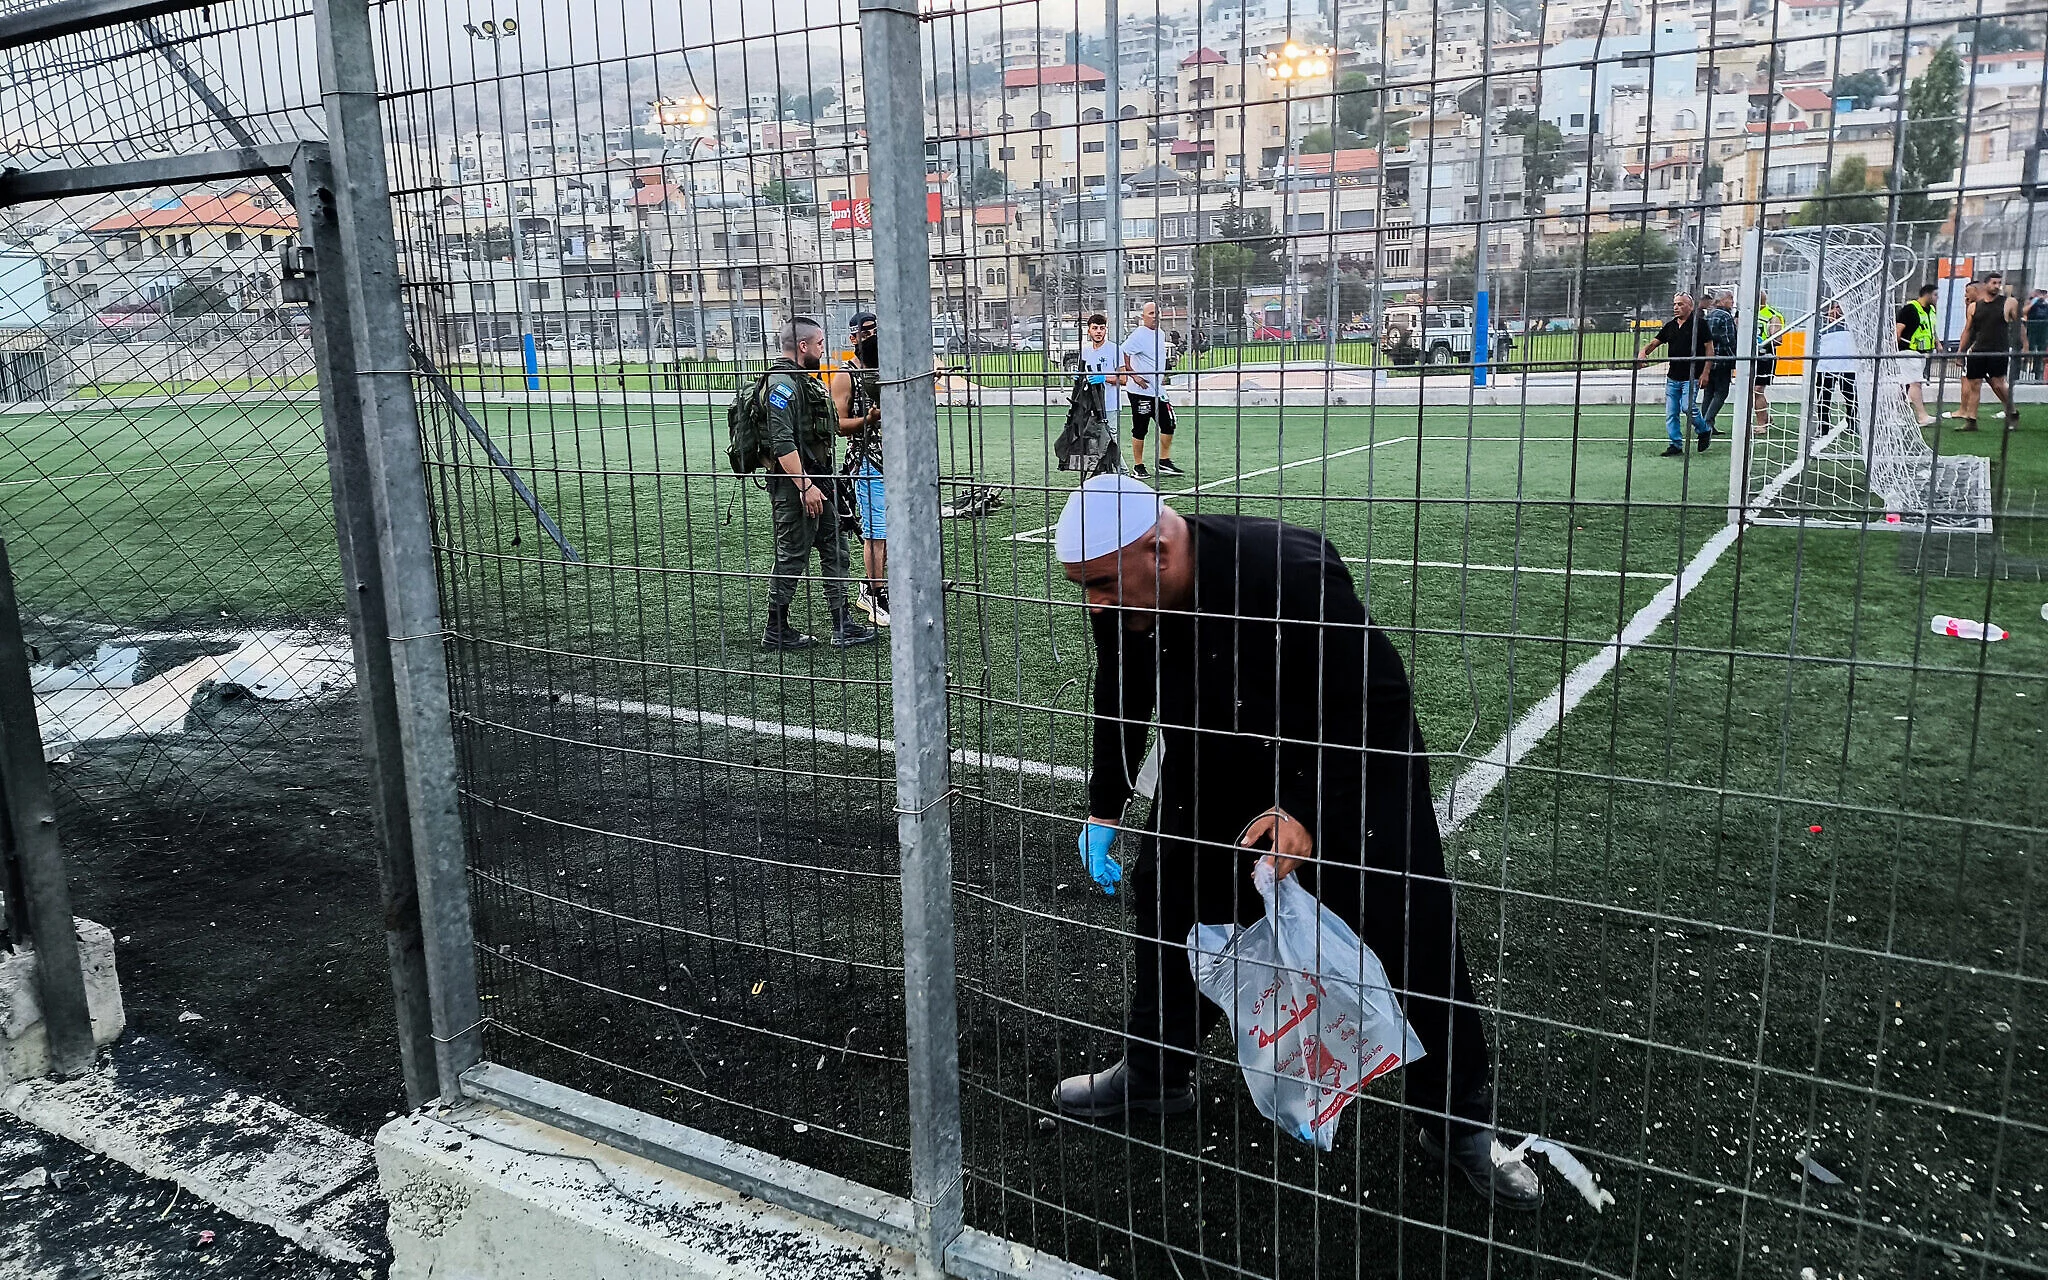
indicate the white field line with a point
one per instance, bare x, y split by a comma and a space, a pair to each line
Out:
1484, 775
1038, 534
1508, 568
824, 737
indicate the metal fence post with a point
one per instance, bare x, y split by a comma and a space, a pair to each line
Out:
36, 864
917, 639
403, 529
355, 531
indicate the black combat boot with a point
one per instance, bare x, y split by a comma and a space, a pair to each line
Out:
781, 635
849, 631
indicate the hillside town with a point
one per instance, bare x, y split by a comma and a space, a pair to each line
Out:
1277, 170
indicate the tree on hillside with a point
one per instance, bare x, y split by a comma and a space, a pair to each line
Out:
1544, 159
988, 184
1842, 198
1629, 270
1244, 252
2002, 37
1931, 146
1866, 87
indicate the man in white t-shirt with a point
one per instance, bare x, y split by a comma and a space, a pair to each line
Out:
1103, 360
1145, 369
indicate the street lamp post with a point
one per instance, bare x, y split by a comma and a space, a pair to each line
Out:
495, 32
1482, 299
694, 112
1291, 64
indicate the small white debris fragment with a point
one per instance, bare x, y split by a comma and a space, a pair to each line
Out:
189, 1016
36, 1177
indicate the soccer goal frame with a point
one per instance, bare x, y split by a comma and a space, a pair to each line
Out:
1854, 458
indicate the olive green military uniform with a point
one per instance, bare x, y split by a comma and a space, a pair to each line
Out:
803, 420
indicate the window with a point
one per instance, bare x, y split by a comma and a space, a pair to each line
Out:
268, 243
1354, 219
1091, 148
538, 290
1171, 262
1140, 228
751, 326
1305, 222
233, 240
1006, 153
1395, 259
1140, 264
1092, 115
485, 295
1096, 231
1129, 144
1398, 232
1578, 119
1229, 91
678, 282
1128, 113
1005, 120
1041, 153
1041, 119
845, 271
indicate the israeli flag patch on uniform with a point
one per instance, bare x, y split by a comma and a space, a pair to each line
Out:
780, 395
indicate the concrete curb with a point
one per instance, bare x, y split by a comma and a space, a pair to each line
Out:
479, 1193
168, 1119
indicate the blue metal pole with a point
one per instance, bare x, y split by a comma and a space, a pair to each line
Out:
532, 361
1481, 329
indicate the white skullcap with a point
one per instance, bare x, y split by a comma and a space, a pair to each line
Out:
1106, 514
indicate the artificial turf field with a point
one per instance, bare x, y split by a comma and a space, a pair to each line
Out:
683, 846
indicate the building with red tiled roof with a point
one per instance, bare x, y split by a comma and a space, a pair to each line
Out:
1203, 57
237, 210
1076, 74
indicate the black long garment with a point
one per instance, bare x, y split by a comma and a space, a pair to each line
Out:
1276, 689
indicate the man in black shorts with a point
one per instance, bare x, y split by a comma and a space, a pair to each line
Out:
1986, 345
1770, 326
1145, 363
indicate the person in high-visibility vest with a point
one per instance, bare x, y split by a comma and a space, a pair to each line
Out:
1914, 327
1770, 326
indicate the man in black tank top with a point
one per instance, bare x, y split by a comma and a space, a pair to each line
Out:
1986, 346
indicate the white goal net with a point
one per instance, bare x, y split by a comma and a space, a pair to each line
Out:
1842, 450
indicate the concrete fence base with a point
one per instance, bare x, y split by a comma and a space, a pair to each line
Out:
478, 1193
24, 1042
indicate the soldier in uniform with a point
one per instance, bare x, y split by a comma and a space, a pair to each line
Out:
801, 424
857, 394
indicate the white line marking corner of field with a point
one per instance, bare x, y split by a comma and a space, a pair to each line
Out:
1483, 776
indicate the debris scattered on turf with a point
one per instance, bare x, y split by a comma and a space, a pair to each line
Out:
189, 1016
1046, 1124
1814, 829
30, 1181
1582, 1179
204, 1240
1817, 1171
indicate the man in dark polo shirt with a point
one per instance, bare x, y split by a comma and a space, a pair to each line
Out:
1684, 335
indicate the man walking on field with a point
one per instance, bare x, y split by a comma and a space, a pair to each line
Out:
1145, 366
1286, 721
1913, 326
1685, 335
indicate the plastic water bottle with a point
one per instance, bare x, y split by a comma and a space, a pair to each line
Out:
1966, 628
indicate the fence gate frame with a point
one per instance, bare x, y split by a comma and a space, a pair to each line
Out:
345, 267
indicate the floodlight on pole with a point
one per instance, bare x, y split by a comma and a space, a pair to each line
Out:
1291, 64
496, 32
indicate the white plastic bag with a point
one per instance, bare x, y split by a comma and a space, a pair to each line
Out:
1309, 1004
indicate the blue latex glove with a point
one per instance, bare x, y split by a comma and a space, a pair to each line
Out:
1095, 842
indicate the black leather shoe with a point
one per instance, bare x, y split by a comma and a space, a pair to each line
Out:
1506, 1180
1706, 441
1672, 451
1108, 1093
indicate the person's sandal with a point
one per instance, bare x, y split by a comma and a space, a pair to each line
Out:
1969, 424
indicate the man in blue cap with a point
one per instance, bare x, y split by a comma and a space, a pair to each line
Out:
1286, 723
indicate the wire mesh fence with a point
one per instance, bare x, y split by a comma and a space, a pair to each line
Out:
1603, 685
